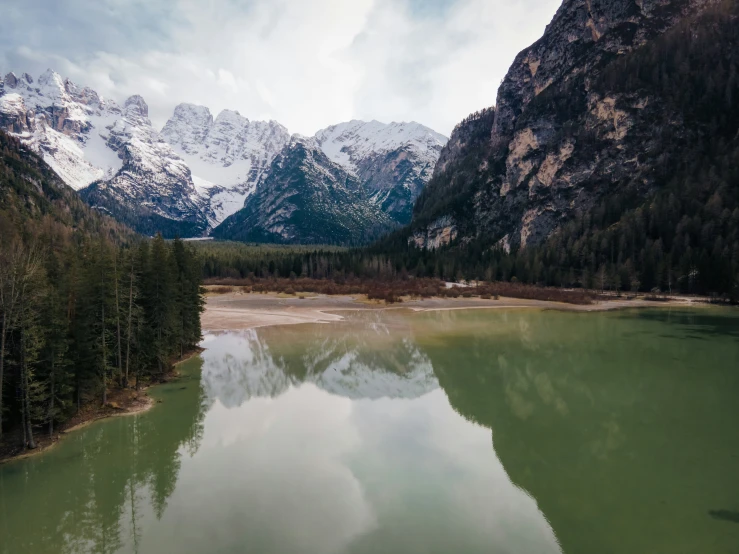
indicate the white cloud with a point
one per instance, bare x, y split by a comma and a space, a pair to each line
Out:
305, 64
227, 80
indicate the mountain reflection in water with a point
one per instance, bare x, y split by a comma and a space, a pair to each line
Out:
350, 419
476, 431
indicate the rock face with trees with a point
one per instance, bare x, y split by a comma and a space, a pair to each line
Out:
85, 305
610, 156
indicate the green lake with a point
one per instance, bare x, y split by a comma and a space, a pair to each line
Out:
511, 431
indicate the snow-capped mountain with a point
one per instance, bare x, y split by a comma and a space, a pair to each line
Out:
153, 190
135, 175
64, 123
394, 161
347, 185
350, 143
227, 156
306, 198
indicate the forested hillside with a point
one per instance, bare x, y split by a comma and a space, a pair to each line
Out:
33, 197
620, 177
85, 304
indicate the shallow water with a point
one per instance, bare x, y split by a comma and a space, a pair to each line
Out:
515, 431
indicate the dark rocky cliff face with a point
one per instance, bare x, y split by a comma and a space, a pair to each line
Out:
394, 180
562, 136
470, 134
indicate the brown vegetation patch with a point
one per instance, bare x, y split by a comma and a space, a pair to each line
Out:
219, 290
393, 291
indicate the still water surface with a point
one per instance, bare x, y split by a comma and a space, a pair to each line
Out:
476, 431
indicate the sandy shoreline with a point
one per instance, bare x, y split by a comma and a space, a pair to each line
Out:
237, 311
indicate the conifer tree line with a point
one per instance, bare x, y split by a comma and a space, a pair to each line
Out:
665, 247
80, 316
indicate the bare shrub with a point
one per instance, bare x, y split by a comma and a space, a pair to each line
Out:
221, 290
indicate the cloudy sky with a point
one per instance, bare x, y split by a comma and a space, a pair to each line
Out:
305, 63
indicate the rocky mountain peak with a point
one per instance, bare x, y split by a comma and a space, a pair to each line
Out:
51, 87
231, 115
88, 97
583, 35
11, 81
394, 161
192, 114
188, 126
136, 105
227, 125
348, 143
51, 77
227, 155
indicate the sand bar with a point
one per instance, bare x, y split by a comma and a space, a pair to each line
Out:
239, 310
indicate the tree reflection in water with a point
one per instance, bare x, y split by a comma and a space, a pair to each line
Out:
614, 431
93, 492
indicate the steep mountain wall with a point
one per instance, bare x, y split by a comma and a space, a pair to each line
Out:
560, 139
227, 155
393, 161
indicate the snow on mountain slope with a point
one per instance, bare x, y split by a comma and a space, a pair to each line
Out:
306, 198
87, 139
153, 174
65, 124
394, 161
349, 143
198, 170
227, 156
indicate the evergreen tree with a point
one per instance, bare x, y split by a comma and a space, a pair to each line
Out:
159, 302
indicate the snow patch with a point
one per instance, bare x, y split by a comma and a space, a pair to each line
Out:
349, 143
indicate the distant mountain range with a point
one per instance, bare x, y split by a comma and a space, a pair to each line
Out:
199, 170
